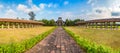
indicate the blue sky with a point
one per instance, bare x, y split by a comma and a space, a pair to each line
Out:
52, 9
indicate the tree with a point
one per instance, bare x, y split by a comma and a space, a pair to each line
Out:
69, 22
76, 20
32, 15
17, 18
45, 21
48, 22
52, 22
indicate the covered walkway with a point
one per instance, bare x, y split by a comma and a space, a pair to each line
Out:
16, 23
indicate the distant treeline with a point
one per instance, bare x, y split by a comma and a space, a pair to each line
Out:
67, 22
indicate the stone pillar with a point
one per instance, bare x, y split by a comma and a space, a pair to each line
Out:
8, 25
86, 25
96, 25
2, 26
114, 25
107, 25
18, 25
104, 25
31, 25
21, 25
101, 25
111, 25
89, 25
92, 24
13, 25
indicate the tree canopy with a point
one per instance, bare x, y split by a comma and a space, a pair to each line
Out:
32, 15
68, 22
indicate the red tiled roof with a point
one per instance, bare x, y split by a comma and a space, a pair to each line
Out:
105, 20
100, 20
20, 21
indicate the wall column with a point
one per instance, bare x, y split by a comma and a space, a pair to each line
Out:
114, 25
8, 25
2, 26
13, 25
96, 25
18, 24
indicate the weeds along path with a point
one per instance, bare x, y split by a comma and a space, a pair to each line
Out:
57, 42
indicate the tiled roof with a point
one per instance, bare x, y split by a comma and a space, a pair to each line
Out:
105, 20
20, 21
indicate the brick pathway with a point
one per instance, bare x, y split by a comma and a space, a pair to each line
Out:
57, 42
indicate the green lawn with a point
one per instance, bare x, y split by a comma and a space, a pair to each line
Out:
17, 35
109, 38
20, 40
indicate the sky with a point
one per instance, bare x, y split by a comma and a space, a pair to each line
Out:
67, 9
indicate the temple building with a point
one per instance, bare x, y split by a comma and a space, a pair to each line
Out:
60, 22
16, 23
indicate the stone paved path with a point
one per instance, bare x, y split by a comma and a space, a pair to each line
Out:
57, 42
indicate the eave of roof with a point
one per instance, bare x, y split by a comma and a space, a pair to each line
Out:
19, 21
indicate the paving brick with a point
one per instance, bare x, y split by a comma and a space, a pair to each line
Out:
57, 42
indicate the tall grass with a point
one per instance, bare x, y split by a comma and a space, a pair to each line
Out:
23, 45
89, 46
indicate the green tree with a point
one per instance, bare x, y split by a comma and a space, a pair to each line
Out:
32, 15
52, 22
48, 22
70, 22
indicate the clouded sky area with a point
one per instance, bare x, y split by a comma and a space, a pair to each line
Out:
52, 9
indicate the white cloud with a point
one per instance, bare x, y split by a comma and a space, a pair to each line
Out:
42, 5
99, 13
67, 15
89, 1
105, 9
1, 6
115, 5
66, 2
10, 13
30, 2
55, 5
92, 2
35, 8
23, 8
52, 5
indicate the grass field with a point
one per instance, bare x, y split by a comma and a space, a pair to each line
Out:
109, 38
17, 35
